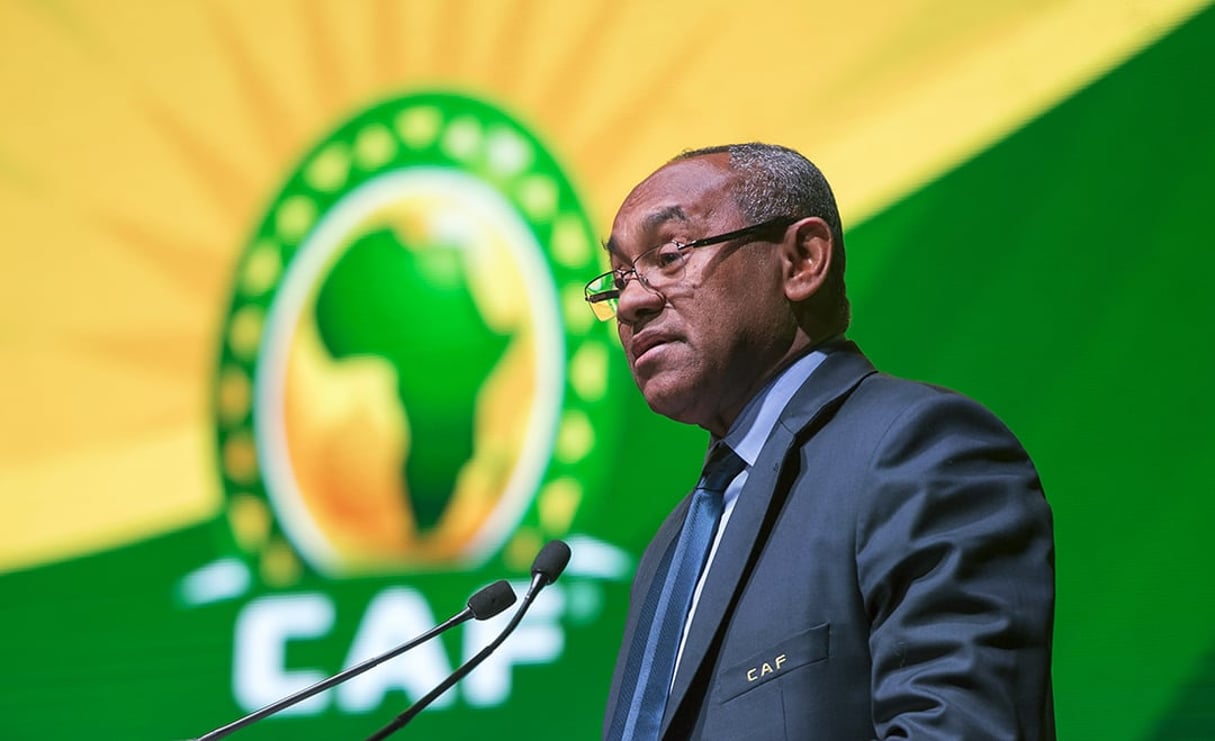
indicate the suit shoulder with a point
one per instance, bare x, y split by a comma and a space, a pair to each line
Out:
892, 397
885, 409
887, 387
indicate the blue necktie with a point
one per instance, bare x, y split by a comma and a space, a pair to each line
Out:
646, 681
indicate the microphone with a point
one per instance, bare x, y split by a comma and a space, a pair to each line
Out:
484, 604
549, 563
489, 601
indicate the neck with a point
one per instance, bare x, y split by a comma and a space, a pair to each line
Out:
721, 423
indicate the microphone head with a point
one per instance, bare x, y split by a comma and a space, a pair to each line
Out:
551, 561
491, 600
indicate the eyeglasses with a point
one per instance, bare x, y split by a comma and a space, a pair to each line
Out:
661, 267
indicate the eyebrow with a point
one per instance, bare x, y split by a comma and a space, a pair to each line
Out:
651, 223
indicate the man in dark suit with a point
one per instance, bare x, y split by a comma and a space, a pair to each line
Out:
864, 557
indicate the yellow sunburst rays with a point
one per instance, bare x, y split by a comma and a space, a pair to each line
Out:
146, 142
139, 142
883, 96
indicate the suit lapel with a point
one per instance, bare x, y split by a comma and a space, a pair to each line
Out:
743, 539
662, 541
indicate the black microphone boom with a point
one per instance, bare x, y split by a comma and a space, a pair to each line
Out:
485, 603
549, 563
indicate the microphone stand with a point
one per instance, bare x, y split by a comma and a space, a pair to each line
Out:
484, 604
549, 564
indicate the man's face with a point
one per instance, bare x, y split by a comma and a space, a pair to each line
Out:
702, 347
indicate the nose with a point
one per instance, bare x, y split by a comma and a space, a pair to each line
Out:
637, 301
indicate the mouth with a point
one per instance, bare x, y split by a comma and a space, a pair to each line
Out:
644, 343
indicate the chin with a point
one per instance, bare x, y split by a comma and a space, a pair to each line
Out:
676, 401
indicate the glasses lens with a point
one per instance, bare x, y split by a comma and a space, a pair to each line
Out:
603, 295
662, 266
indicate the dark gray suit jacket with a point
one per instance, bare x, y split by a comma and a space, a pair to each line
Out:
888, 572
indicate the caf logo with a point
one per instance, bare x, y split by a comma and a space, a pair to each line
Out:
407, 377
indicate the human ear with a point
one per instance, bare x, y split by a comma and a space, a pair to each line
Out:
806, 258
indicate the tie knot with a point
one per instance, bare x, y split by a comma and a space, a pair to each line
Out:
723, 465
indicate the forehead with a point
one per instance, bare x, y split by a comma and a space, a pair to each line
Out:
694, 192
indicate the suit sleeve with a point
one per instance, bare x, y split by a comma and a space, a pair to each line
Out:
955, 562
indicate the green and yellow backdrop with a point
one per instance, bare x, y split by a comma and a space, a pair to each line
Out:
294, 356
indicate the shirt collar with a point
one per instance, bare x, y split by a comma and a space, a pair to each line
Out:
754, 424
